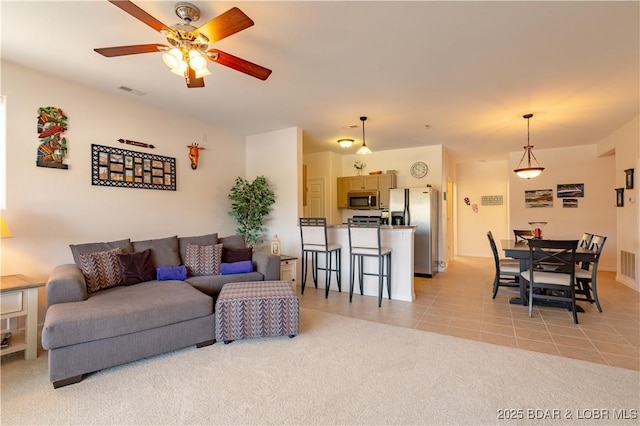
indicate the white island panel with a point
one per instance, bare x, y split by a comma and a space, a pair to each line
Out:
399, 238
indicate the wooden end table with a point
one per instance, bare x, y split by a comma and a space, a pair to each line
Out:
19, 298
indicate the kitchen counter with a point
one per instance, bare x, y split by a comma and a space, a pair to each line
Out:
344, 225
400, 239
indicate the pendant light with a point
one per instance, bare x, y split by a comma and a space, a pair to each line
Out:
529, 171
363, 149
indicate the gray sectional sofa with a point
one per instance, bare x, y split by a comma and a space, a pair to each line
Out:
88, 328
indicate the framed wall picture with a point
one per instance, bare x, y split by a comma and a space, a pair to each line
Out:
629, 178
619, 197
130, 169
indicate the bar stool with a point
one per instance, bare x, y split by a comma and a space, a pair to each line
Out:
364, 241
313, 235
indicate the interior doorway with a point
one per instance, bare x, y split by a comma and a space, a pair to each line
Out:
316, 197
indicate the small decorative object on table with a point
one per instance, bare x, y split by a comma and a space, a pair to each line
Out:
537, 227
275, 245
359, 166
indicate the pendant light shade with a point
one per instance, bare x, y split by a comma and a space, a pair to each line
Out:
364, 150
530, 171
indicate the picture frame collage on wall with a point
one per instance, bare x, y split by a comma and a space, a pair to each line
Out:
568, 192
118, 167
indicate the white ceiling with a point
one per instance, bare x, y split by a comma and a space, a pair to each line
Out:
469, 70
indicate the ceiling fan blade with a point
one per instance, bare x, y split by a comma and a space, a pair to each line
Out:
230, 22
239, 64
191, 79
110, 52
140, 14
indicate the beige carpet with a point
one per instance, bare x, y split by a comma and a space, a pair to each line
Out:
339, 370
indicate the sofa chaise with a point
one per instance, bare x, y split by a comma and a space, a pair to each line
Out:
122, 301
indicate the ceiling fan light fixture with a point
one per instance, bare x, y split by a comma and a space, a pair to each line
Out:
364, 150
180, 69
203, 72
197, 62
345, 143
530, 171
172, 58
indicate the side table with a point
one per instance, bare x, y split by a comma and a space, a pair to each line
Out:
19, 298
288, 269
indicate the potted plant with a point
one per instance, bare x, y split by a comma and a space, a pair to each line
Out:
250, 203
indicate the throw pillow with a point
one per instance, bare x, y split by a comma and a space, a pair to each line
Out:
236, 241
136, 267
164, 251
201, 240
101, 269
242, 267
203, 260
166, 273
78, 249
236, 255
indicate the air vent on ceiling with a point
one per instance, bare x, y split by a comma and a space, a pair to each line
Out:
130, 90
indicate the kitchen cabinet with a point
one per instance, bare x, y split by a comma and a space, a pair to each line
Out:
343, 186
380, 183
363, 183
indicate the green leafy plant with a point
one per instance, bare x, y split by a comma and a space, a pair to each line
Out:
250, 203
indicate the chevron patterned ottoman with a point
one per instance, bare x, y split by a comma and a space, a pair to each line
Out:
256, 309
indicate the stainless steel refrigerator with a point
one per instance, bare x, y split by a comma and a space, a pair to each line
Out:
418, 207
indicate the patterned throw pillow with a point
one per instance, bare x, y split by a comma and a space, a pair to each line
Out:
203, 260
101, 269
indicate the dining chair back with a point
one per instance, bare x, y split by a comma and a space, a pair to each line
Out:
522, 234
552, 272
587, 278
315, 241
365, 242
507, 271
585, 241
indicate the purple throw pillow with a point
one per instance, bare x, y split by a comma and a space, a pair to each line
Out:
242, 267
166, 273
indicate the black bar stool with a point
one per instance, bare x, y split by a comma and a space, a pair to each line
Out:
313, 235
364, 241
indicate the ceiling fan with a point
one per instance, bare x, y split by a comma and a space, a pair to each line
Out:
188, 48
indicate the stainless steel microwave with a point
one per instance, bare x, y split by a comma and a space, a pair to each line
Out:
364, 200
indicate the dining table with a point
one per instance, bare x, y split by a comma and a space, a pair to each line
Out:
520, 250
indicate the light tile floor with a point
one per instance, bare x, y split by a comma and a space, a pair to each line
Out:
458, 302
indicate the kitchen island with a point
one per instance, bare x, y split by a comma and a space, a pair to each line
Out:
399, 238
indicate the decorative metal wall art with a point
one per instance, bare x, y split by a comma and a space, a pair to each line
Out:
619, 197
629, 178
194, 154
130, 169
52, 150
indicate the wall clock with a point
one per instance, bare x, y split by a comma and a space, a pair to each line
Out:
419, 169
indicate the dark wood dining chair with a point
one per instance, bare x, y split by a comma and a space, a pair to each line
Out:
552, 272
507, 271
313, 236
587, 274
522, 234
585, 241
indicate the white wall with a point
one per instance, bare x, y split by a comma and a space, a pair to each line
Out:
278, 157
475, 180
596, 210
625, 145
48, 209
